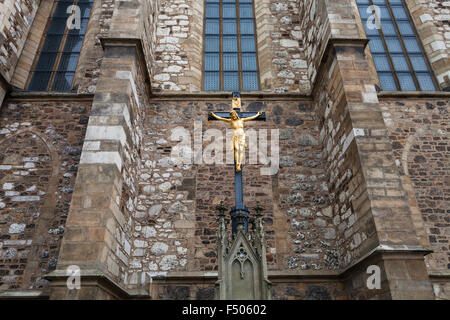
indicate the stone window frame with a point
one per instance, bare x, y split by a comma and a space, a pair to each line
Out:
62, 45
405, 53
239, 52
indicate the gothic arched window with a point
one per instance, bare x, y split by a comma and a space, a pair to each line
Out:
395, 46
58, 54
230, 61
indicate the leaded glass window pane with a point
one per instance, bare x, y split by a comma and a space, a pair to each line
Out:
230, 44
425, 81
405, 28
46, 62
411, 45
384, 11
394, 44
400, 63
387, 81
399, 12
39, 81
376, 45
230, 62
57, 26
249, 62
229, 11
52, 43
381, 62
247, 26
246, 11
212, 26
73, 43
231, 81
212, 62
61, 9
406, 81
212, 81
212, 44
68, 62
63, 81
212, 11
250, 80
418, 62
248, 43
85, 9
388, 28
229, 26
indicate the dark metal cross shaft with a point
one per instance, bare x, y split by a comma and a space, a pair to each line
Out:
239, 213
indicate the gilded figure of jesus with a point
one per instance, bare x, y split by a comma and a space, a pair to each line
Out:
238, 142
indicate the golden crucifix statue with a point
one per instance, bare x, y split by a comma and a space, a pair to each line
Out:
237, 124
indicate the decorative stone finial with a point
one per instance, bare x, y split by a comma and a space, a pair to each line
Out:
221, 208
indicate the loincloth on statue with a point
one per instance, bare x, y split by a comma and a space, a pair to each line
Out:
239, 139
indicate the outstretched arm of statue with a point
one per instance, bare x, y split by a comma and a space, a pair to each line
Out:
219, 118
253, 117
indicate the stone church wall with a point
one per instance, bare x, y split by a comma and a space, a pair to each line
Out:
288, 58
176, 219
41, 145
358, 170
283, 290
16, 18
419, 130
316, 31
178, 52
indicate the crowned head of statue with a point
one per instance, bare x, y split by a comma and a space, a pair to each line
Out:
234, 115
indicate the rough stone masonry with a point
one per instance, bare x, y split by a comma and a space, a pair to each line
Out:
87, 178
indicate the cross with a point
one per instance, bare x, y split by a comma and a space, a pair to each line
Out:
239, 213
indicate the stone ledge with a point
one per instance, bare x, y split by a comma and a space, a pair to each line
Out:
386, 249
413, 94
49, 96
276, 276
103, 280
301, 275
193, 277
439, 275
228, 95
188, 276
32, 294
